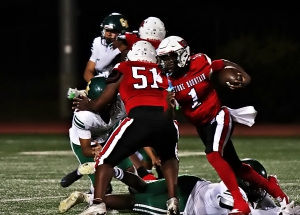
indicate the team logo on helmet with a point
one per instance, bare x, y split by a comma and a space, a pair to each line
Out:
142, 24
124, 23
87, 87
183, 43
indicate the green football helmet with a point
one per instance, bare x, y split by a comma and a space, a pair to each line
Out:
115, 22
254, 194
95, 87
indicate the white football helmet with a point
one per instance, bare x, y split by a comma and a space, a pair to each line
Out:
142, 51
175, 44
152, 28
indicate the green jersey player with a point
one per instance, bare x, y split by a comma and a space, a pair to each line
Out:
197, 196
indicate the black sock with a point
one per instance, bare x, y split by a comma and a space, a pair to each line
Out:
142, 172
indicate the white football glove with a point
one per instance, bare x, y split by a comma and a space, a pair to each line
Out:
290, 209
74, 93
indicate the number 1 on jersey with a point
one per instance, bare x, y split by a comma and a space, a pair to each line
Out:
194, 96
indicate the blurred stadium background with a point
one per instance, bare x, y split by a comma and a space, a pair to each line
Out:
46, 45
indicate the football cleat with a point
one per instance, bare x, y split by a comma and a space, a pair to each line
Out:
70, 179
95, 209
87, 168
275, 191
173, 206
74, 199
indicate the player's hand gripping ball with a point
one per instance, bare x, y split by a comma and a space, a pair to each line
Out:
230, 77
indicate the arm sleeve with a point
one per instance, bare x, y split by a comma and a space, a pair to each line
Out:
81, 123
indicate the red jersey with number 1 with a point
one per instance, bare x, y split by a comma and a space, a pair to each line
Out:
142, 84
195, 93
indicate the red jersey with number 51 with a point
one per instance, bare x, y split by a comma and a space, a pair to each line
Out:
195, 93
142, 84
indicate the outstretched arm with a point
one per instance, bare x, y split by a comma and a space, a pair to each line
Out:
101, 102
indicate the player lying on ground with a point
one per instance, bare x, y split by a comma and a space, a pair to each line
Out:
197, 196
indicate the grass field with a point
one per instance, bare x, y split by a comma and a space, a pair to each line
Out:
33, 165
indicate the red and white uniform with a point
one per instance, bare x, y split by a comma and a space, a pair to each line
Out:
142, 90
132, 38
194, 91
142, 84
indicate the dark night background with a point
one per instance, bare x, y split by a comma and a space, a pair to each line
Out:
261, 37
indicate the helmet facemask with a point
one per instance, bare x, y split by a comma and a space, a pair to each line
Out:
170, 46
115, 23
174, 62
254, 193
168, 63
108, 40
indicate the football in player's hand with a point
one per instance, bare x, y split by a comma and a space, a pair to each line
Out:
228, 75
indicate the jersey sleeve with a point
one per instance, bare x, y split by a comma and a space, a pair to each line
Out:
107, 58
82, 125
162, 81
94, 49
202, 63
131, 38
217, 65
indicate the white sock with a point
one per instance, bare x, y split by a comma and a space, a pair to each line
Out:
119, 173
140, 156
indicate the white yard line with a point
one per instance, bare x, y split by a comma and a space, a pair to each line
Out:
30, 199
69, 152
181, 153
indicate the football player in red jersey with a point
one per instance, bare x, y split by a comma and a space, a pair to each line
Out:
141, 88
151, 29
193, 90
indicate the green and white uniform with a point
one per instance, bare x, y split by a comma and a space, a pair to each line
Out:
196, 196
153, 200
104, 57
88, 125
